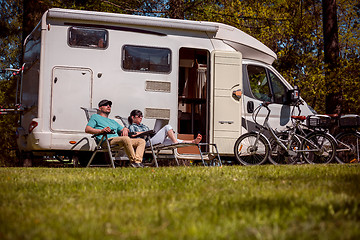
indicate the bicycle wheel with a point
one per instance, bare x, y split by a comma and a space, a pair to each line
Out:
319, 148
348, 150
279, 155
251, 149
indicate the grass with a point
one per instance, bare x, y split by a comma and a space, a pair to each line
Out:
232, 202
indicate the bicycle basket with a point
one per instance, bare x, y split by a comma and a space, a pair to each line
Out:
349, 121
318, 121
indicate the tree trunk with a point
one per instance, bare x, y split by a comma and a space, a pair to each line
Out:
331, 52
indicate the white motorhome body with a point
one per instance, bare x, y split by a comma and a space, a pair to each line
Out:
191, 73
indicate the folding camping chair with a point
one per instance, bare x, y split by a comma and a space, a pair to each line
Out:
156, 149
114, 152
147, 135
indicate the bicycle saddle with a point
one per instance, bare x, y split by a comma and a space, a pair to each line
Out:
301, 118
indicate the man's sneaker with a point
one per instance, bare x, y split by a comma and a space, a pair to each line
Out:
134, 165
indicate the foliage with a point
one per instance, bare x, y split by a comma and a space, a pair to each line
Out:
10, 56
258, 202
10, 32
349, 72
8, 123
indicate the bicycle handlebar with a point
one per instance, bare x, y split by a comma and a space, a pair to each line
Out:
266, 104
297, 105
257, 110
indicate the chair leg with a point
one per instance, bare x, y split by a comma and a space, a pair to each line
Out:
98, 148
202, 158
110, 155
176, 159
92, 158
219, 159
153, 153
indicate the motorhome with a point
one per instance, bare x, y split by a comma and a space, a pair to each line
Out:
204, 77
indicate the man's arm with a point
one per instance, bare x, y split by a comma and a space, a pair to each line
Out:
91, 130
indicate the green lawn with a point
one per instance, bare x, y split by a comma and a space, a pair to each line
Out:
232, 202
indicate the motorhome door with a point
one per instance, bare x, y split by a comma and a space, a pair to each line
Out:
226, 89
71, 89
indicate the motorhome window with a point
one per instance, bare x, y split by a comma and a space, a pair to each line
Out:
88, 37
278, 88
259, 82
32, 48
146, 59
30, 79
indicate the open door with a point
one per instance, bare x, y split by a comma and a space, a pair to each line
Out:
226, 100
193, 96
71, 89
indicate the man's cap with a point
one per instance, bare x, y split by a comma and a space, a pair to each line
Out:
104, 103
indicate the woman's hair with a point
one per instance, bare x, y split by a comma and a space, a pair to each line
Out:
133, 114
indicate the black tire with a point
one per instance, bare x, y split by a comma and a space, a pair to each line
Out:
348, 148
26, 159
248, 154
322, 142
279, 156
81, 159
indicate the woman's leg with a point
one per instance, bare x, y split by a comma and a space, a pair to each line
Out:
171, 135
167, 131
161, 135
196, 140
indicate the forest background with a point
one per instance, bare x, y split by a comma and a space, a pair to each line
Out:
326, 71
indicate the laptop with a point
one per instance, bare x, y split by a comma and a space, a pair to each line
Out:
159, 124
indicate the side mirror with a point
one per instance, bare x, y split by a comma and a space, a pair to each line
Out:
293, 95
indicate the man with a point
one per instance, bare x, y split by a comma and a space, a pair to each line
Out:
101, 123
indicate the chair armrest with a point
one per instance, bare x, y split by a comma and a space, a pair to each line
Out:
98, 134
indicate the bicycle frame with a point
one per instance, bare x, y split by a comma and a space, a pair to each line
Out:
291, 133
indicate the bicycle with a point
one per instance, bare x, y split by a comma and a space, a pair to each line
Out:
348, 139
314, 123
254, 148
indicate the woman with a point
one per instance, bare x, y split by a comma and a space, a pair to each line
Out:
164, 136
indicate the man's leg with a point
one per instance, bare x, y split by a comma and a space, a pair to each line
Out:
139, 146
124, 141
